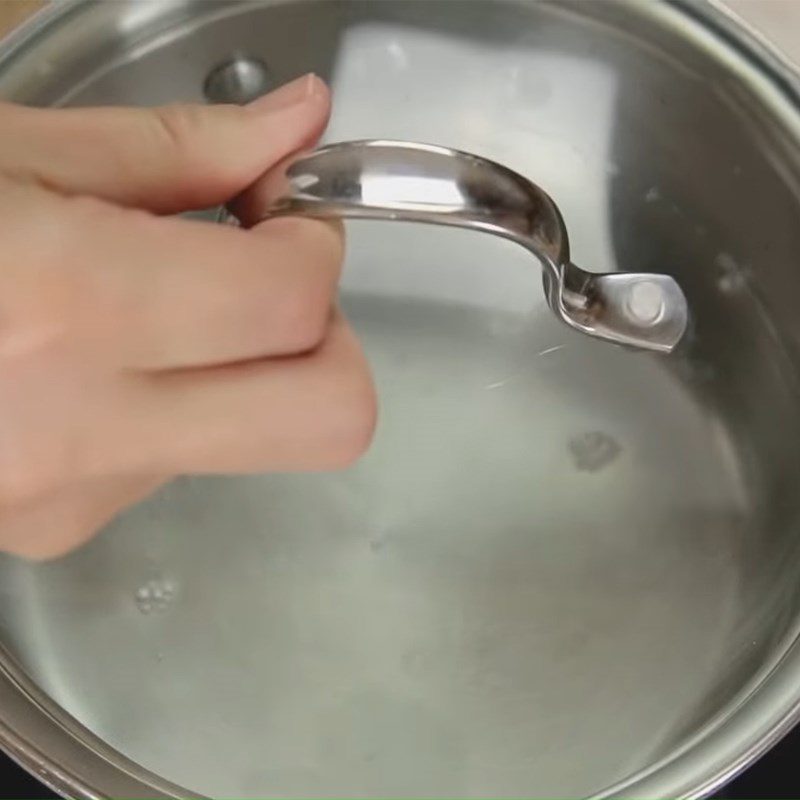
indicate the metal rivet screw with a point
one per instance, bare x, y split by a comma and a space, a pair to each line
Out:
239, 80
646, 302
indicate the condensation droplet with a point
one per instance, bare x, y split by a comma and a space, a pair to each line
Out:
155, 596
652, 195
593, 450
732, 277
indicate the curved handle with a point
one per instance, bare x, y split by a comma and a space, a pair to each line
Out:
436, 185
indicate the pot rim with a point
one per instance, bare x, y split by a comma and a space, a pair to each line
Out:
760, 716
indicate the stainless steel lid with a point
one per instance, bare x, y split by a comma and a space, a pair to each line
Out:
564, 569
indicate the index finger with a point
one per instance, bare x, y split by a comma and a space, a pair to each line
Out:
167, 293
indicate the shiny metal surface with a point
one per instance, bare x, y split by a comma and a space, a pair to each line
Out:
411, 182
564, 568
239, 80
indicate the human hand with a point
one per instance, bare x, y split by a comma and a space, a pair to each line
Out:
136, 346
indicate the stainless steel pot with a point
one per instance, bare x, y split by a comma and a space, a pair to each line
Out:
564, 569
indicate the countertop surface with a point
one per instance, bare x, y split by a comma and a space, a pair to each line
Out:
12, 12
777, 20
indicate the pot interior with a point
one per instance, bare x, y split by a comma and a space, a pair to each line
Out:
560, 560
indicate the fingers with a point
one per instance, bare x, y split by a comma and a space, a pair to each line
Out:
115, 324
54, 525
315, 412
252, 204
166, 159
312, 412
67, 427
155, 293
139, 345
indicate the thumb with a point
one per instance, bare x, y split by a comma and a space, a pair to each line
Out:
165, 159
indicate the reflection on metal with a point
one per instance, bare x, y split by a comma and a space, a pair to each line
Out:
411, 182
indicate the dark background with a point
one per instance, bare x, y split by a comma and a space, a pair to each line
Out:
775, 777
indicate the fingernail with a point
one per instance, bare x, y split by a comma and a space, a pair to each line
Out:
290, 94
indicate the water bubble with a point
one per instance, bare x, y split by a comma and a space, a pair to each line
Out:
155, 596
593, 450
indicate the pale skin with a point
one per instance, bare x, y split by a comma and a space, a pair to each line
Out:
136, 346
